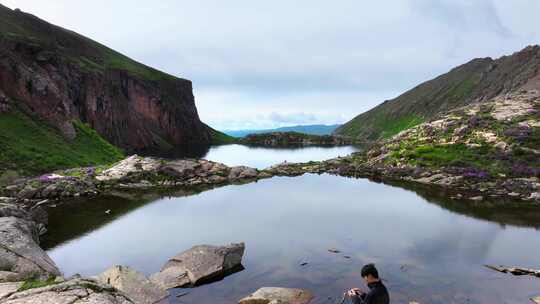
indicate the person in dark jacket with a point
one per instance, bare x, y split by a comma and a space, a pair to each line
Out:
377, 293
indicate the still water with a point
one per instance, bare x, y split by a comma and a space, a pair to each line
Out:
427, 248
256, 156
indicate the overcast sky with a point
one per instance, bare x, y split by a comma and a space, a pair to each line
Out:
260, 64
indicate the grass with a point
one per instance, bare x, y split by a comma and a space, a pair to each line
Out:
391, 127
31, 147
34, 283
219, 138
436, 156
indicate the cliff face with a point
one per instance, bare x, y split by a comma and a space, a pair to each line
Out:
476, 81
57, 76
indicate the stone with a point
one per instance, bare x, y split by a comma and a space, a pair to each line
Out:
476, 198
180, 168
535, 196
239, 172
73, 291
199, 264
129, 165
536, 299
278, 295
135, 284
6, 289
20, 252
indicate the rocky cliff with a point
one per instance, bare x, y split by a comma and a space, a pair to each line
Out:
476, 81
56, 76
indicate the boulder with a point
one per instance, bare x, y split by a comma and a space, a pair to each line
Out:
199, 264
180, 168
72, 291
134, 284
7, 289
20, 255
132, 164
239, 172
278, 295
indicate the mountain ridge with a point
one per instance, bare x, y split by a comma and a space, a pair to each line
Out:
316, 129
478, 80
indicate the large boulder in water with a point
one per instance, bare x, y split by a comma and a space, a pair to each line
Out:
199, 264
278, 295
134, 284
20, 255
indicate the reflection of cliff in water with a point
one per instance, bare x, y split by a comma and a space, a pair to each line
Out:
75, 218
79, 217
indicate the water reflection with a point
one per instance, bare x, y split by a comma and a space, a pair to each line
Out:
429, 252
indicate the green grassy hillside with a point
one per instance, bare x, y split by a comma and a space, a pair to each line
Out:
31, 147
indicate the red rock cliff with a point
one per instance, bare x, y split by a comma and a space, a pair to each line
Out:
58, 76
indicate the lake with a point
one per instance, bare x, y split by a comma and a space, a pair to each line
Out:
256, 156
428, 248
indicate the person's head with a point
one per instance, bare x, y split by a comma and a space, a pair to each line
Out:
369, 273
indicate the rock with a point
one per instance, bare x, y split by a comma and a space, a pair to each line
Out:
180, 168
129, 165
6, 289
20, 252
199, 264
72, 291
333, 250
134, 284
477, 198
536, 299
501, 145
27, 192
535, 196
242, 172
278, 295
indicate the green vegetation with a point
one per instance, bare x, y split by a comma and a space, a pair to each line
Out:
34, 283
219, 138
391, 127
443, 155
31, 147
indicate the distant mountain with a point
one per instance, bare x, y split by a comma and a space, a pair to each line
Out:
476, 81
306, 129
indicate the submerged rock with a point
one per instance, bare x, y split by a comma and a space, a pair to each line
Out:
198, 265
73, 291
278, 295
134, 284
20, 255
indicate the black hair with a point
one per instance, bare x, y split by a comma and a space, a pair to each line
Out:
370, 269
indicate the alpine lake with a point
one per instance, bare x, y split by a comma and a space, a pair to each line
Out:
428, 248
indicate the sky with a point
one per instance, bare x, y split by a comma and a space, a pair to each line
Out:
266, 64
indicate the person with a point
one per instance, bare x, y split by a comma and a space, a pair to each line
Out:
377, 294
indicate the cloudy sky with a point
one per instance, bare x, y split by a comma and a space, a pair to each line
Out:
261, 64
